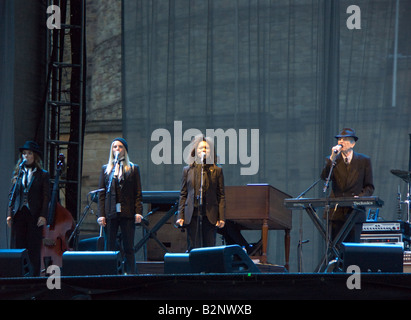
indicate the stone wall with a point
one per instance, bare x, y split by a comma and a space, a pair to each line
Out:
104, 112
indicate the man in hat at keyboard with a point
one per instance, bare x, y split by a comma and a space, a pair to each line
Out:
351, 177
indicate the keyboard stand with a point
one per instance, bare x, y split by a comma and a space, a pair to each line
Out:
333, 249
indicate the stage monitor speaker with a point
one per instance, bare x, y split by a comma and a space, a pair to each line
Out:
222, 259
177, 263
373, 257
91, 244
15, 263
82, 263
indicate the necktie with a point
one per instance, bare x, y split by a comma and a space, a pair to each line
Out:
118, 171
347, 165
26, 178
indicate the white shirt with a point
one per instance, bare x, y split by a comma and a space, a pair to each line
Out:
28, 175
347, 158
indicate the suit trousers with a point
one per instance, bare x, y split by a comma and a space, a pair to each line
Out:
126, 245
200, 226
353, 234
25, 234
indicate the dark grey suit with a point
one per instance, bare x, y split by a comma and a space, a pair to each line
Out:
128, 193
215, 197
24, 231
214, 201
350, 180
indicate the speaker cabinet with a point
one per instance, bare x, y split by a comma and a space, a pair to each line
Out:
91, 244
177, 263
222, 259
15, 263
81, 263
370, 257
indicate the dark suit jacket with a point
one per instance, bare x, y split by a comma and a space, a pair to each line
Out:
130, 195
38, 195
356, 181
214, 195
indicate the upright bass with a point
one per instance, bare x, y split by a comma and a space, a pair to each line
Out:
60, 224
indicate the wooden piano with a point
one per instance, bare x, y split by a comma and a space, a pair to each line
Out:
260, 207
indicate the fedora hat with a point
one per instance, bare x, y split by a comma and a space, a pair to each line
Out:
31, 145
347, 132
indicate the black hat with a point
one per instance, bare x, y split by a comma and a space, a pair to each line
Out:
347, 132
31, 145
123, 141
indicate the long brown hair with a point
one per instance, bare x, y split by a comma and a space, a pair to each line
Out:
192, 157
38, 163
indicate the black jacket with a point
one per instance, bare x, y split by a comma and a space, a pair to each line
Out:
129, 195
38, 195
357, 180
214, 195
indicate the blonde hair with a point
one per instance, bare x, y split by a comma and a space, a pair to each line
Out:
127, 163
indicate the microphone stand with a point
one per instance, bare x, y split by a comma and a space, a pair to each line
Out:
308, 189
327, 208
327, 182
12, 198
301, 241
201, 203
76, 230
110, 179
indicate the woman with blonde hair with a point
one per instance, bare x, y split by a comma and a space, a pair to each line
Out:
202, 198
120, 202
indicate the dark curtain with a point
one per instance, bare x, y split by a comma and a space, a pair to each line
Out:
6, 110
290, 69
22, 86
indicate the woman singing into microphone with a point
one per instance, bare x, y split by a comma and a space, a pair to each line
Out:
119, 205
202, 199
28, 206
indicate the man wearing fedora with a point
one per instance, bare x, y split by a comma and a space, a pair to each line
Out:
351, 177
28, 207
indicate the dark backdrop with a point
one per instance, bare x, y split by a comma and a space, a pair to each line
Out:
22, 78
291, 69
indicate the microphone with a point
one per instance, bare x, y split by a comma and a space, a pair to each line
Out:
94, 194
95, 191
338, 148
23, 163
203, 157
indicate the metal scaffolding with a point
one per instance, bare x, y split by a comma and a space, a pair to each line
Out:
65, 108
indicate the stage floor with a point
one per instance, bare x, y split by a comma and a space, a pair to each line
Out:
265, 286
